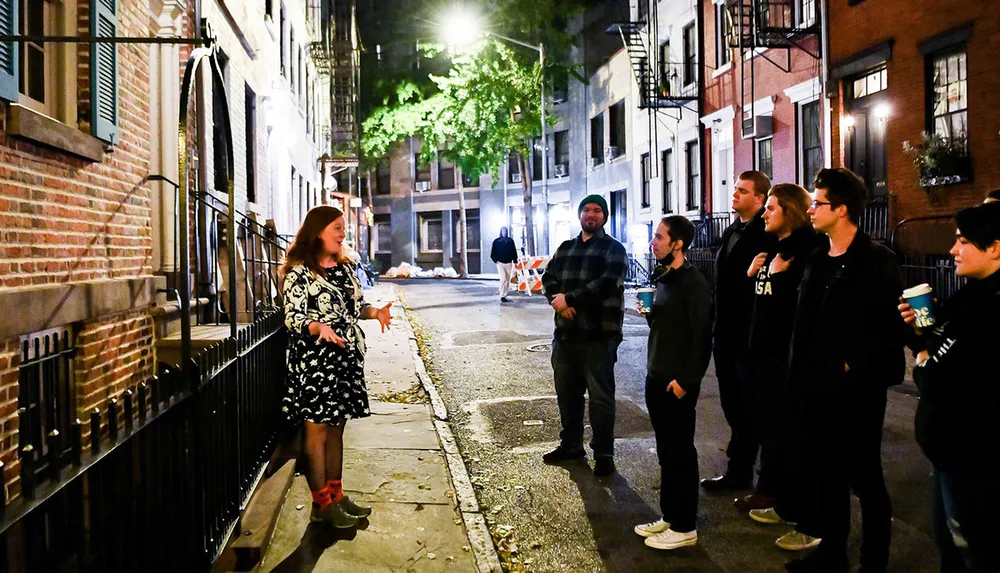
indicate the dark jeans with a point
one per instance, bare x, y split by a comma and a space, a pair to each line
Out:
736, 393
673, 423
965, 512
589, 367
846, 455
770, 414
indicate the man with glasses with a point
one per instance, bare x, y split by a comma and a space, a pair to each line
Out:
847, 349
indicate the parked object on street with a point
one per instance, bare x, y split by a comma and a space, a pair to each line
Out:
679, 350
528, 272
326, 383
503, 253
584, 284
959, 397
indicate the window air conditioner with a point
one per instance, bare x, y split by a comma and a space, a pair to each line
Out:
561, 170
760, 126
515, 177
423, 186
611, 152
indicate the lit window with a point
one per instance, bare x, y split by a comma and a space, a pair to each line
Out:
871, 83
950, 95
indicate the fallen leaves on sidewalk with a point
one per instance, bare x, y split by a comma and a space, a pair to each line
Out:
503, 539
414, 395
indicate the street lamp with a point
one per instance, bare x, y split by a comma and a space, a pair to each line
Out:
460, 30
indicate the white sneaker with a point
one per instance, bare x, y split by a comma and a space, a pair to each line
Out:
651, 529
795, 541
768, 516
671, 539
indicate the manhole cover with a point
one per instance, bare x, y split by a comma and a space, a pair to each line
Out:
540, 347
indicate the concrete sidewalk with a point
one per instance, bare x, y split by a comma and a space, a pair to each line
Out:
402, 462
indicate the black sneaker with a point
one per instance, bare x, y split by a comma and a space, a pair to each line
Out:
504, 299
604, 467
560, 455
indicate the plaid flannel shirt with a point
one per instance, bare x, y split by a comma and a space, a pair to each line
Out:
592, 276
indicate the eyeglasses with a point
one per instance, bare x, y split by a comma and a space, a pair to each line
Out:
816, 204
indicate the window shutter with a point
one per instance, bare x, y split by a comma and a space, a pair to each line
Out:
9, 54
103, 71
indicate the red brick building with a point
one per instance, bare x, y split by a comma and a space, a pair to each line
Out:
899, 68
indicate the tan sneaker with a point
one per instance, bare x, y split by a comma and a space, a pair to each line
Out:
651, 529
334, 514
796, 541
768, 516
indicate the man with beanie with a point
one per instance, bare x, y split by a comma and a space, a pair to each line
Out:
504, 253
584, 283
741, 242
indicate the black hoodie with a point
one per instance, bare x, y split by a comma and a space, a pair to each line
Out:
680, 327
957, 417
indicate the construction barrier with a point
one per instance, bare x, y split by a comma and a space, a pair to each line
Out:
529, 273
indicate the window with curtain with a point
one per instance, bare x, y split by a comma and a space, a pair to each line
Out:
667, 181
691, 156
811, 143
950, 93
646, 168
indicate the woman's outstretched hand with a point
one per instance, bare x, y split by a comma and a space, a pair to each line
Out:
327, 334
384, 316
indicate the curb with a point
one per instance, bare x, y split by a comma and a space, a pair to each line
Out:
480, 539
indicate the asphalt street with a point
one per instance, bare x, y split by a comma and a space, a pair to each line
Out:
491, 362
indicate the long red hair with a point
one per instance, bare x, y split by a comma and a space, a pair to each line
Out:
306, 247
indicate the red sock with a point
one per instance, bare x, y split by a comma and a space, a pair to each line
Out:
336, 488
322, 497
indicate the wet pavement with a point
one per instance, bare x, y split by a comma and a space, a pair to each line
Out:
491, 365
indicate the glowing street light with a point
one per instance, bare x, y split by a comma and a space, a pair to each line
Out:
461, 28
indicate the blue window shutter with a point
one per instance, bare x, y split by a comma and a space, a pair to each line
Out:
103, 71
9, 51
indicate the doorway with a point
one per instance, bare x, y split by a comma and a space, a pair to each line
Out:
722, 174
866, 151
619, 216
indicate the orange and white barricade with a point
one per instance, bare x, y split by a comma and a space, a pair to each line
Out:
529, 273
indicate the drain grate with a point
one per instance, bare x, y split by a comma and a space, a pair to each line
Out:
540, 347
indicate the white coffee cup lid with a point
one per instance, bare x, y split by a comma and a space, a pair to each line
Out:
918, 290
647, 289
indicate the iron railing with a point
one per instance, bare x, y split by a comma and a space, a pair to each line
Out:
922, 245
45, 400
163, 489
638, 270
708, 230
875, 220
936, 270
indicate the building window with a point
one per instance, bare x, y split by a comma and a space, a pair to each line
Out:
723, 35
806, 11
472, 226
470, 179
282, 45
36, 58
667, 181
250, 119
663, 79
870, 83
764, 157
430, 232
513, 168
646, 175
597, 139
383, 234
691, 157
690, 55
423, 169
446, 173
383, 185
562, 153
616, 128
811, 143
536, 159
950, 106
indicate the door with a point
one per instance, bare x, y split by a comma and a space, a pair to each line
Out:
867, 153
722, 181
619, 216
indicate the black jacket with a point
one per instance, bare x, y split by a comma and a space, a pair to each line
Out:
733, 289
503, 251
775, 299
958, 417
680, 328
851, 320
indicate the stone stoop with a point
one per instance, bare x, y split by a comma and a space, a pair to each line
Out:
256, 526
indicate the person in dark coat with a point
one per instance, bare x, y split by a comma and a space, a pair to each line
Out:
846, 351
777, 275
741, 242
680, 346
956, 423
504, 253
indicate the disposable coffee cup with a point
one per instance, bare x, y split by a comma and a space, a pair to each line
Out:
645, 298
921, 299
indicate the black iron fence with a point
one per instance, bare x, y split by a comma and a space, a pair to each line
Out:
708, 230
163, 489
875, 220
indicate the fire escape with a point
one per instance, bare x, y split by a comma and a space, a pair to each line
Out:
337, 56
776, 25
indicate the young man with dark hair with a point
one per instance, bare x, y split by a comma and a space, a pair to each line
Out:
680, 336
846, 350
741, 242
584, 283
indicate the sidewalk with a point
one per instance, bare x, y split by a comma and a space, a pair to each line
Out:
397, 460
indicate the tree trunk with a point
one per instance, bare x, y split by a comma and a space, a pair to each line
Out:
463, 229
371, 206
529, 211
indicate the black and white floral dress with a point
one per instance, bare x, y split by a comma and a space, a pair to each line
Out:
326, 383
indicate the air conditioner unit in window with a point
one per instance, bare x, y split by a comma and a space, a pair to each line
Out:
760, 126
423, 186
562, 170
515, 177
611, 152
591, 162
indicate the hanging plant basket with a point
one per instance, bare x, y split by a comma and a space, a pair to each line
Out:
940, 160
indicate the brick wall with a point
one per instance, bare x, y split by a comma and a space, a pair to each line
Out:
909, 22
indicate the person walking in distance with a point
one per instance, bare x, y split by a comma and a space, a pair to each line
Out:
680, 347
504, 253
741, 242
777, 275
959, 399
846, 350
326, 375
584, 283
